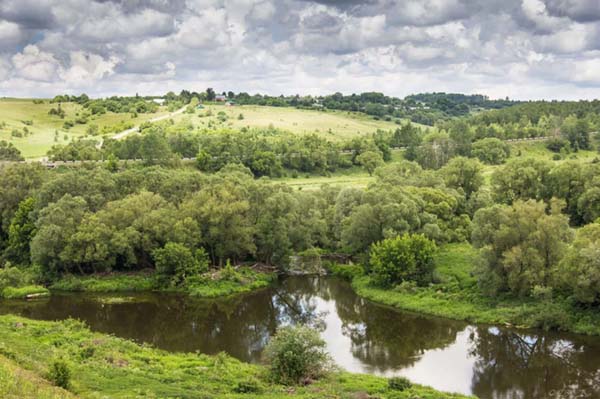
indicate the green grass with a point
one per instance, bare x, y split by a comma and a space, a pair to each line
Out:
17, 383
115, 282
207, 286
103, 366
458, 297
334, 125
244, 281
24, 292
14, 111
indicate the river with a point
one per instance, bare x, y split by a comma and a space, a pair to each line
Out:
487, 361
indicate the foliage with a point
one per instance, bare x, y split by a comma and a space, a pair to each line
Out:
115, 282
399, 383
403, 258
491, 151
580, 268
20, 232
457, 296
521, 245
60, 374
175, 263
8, 152
296, 354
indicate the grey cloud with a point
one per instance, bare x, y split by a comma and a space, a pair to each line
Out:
294, 45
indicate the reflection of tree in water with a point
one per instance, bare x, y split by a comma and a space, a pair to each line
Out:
511, 365
386, 339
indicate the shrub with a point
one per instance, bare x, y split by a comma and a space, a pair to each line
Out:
297, 354
247, 386
491, 151
404, 258
346, 272
399, 383
59, 374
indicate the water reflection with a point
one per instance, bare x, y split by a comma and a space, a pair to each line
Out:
361, 336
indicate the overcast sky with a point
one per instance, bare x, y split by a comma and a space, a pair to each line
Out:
524, 49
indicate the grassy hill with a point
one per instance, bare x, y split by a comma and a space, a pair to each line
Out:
333, 125
17, 114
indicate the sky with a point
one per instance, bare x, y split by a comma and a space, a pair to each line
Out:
523, 49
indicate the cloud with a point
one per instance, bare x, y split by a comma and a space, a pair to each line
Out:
519, 48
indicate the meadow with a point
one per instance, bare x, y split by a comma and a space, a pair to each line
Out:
47, 130
333, 125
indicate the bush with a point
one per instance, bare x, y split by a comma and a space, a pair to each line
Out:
247, 386
297, 354
59, 374
491, 151
24, 292
399, 383
403, 258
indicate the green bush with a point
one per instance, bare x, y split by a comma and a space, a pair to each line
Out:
297, 354
399, 383
247, 386
59, 374
404, 258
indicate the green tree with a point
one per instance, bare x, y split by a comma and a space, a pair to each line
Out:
523, 179
404, 258
520, 245
491, 151
463, 173
175, 263
370, 160
8, 152
579, 271
21, 231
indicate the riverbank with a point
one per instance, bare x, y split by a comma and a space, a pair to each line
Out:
210, 285
105, 366
457, 297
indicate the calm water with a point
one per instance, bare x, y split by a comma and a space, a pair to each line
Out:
486, 361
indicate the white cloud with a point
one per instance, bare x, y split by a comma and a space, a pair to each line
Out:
85, 68
34, 64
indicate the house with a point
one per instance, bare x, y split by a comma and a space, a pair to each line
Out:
220, 98
159, 101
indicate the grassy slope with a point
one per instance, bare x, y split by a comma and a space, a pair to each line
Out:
109, 367
18, 383
458, 297
333, 125
14, 111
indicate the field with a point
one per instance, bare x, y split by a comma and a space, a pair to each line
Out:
17, 113
334, 125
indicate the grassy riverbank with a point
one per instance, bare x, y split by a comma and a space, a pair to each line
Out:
210, 285
457, 296
109, 367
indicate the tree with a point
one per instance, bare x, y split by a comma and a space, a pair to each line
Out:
8, 152
491, 151
588, 204
520, 245
523, 179
56, 225
370, 160
436, 150
579, 271
403, 258
577, 132
175, 263
210, 94
21, 231
154, 147
463, 173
